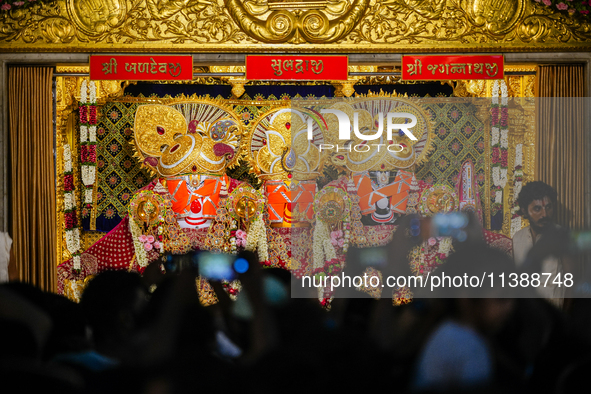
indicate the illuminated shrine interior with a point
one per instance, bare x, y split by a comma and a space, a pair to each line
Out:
138, 123
206, 195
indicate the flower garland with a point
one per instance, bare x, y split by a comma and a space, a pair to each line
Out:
88, 115
7, 5
569, 6
221, 235
517, 184
445, 247
430, 255
141, 253
241, 237
232, 288
70, 220
500, 144
331, 267
322, 246
257, 238
151, 243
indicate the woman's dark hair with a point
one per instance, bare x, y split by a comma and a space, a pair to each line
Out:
534, 191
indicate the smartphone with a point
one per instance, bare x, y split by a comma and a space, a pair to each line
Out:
219, 266
175, 263
451, 224
373, 256
580, 241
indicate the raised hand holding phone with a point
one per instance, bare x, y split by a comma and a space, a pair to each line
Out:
219, 266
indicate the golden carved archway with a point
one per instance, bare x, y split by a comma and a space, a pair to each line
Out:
345, 26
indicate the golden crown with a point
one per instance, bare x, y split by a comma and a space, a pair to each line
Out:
381, 154
278, 147
186, 138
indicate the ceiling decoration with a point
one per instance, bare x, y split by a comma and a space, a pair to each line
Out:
254, 26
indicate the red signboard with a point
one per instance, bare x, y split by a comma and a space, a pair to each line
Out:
141, 68
300, 68
435, 67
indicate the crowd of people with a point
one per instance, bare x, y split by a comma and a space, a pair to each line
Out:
150, 333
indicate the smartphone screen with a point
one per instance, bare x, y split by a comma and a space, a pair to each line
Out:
373, 257
449, 225
216, 266
376, 257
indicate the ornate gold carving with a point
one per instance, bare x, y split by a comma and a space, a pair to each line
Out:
96, 17
118, 23
497, 16
105, 89
477, 87
439, 199
236, 82
323, 25
111, 89
318, 22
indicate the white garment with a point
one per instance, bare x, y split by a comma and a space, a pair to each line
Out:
5, 244
522, 243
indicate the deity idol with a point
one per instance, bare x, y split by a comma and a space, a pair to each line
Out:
360, 208
288, 163
189, 146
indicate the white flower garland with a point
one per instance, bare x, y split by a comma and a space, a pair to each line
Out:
83, 134
500, 138
495, 92
322, 246
73, 243
496, 174
67, 158
69, 201
504, 140
496, 136
504, 93
503, 177
92, 134
518, 155
141, 255
445, 245
88, 195
92, 98
257, 238
83, 91
499, 197
518, 173
88, 177
88, 134
72, 234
